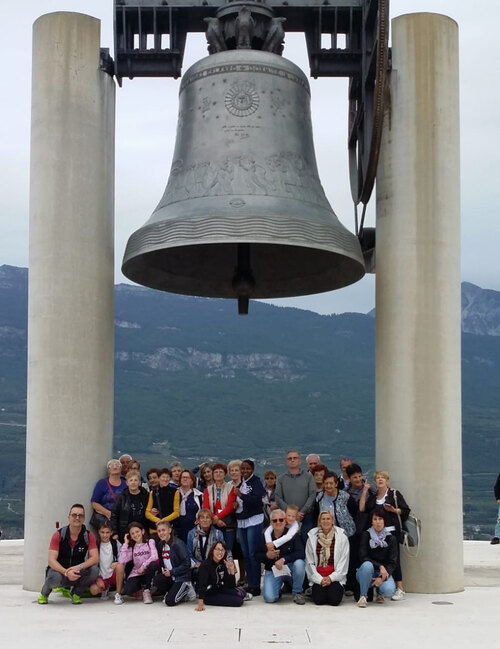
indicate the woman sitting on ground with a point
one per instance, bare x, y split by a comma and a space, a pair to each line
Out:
219, 498
327, 560
129, 506
141, 551
163, 503
174, 578
216, 581
386, 498
190, 504
378, 554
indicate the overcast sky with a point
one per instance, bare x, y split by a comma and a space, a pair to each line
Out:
144, 146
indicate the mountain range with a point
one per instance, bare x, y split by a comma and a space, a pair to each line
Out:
194, 380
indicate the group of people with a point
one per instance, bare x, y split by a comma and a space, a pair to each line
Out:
174, 535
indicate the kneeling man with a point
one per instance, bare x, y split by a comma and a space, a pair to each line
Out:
73, 558
283, 562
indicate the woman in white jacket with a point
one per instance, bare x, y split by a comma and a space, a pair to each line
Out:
327, 560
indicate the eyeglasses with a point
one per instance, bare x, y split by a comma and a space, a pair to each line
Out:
293, 457
277, 520
77, 515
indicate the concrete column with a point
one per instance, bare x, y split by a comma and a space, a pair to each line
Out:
418, 385
70, 311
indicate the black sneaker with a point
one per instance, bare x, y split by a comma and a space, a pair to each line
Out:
495, 540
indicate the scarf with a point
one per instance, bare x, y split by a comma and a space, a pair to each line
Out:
377, 539
325, 542
184, 497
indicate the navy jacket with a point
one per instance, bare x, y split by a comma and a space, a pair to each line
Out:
181, 565
289, 551
252, 501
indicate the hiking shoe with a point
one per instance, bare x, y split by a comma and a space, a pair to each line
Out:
75, 599
398, 595
191, 594
118, 598
495, 540
42, 599
298, 598
248, 597
380, 599
146, 596
105, 594
362, 602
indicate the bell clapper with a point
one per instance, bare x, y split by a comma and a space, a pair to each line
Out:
243, 281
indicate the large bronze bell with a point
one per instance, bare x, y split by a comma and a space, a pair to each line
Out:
244, 213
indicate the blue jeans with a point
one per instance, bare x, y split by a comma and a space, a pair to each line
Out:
249, 540
272, 584
497, 526
365, 573
229, 537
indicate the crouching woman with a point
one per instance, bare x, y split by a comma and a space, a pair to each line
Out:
216, 581
327, 560
141, 551
174, 579
378, 553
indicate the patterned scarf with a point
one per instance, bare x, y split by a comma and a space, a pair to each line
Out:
325, 542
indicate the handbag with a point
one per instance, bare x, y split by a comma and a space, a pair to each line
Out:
410, 531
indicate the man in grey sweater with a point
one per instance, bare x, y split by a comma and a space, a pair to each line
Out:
297, 487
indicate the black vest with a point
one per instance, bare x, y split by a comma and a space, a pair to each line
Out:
166, 497
69, 556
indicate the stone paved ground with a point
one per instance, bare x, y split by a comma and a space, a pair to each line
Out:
458, 620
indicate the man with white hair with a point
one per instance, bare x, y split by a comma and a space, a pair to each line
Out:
312, 460
125, 461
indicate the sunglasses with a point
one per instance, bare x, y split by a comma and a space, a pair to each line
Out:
277, 520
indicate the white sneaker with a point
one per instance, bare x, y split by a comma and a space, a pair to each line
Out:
191, 594
146, 596
118, 598
362, 602
105, 594
398, 595
248, 597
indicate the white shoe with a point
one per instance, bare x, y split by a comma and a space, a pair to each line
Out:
146, 596
362, 602
191, 594
118, 598
248, 597
398, 595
